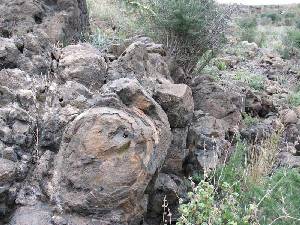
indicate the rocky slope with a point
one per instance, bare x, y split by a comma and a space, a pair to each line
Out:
90, 137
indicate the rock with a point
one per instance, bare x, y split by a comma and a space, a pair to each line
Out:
9, 153
168, 188
291, 133
17, 78
213, 99
63, 20
258, 105
136, 62
207, 145
106, 160
286, 159
9, 54
257, 133
7, 96
289, 116
33, 215
177, 153
177, 102
84, 64
7, 171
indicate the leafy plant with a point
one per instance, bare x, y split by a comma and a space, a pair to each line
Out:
188, 28
249, 120
294, 99
254, 81
207, 206
248, 29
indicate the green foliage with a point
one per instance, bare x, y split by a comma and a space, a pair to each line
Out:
188, 28
99, 39
220, 64
278, 198
249, 120
293, 36
298, 23
254, 81
207, 207
274, 17
294, 99
274, 200
248, 29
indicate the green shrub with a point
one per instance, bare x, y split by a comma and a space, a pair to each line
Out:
293, 36
298, 23
188, 28
274, 17
275, 197
249, 120
257, 82
248, 29
294, 99
221, 65
207, 206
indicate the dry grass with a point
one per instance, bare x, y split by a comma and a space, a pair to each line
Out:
111, 17
262, 156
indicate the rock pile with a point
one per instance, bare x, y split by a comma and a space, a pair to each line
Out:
90, 137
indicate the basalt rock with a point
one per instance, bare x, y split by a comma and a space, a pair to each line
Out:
108, 157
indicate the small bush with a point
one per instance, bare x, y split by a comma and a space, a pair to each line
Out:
294, 99
254, 81
221, 65
249, 120
207, 206
293, 36
188, 28
248, 29
274, 17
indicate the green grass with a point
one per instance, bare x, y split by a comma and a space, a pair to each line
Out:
254, 81
276, 196
294, 99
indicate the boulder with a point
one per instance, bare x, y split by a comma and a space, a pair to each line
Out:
289, 116
167, 190
218, 102
33, 215
207, 145
84, 64
177, 153
7, 172
62, 20
138, 62
259, 104
177, 102
108, 156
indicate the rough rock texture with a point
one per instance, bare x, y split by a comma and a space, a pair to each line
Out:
177, 102
103, 137
218, 102
62, 20
108, 156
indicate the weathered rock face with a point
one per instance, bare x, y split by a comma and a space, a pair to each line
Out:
84, 64
106, 160
177, 102
213, 99
144, 61
62, 20
207, 144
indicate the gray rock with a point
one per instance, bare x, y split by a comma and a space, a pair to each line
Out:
106, 155
7, 171
33, 215
177, 102
218, 102
84, 64
177, 153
